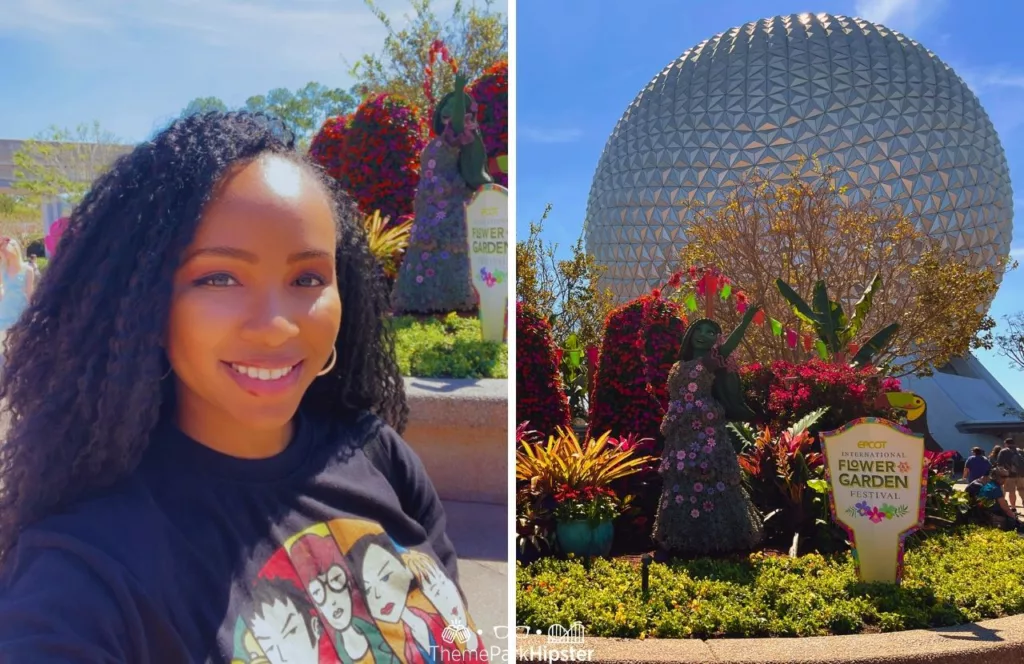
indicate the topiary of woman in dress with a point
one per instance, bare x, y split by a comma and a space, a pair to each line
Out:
435, 272
704, 508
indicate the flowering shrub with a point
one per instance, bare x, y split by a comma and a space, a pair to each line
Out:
592, 504
639, 346
540, 399
378, 163
785, 392
329, 147
490, 92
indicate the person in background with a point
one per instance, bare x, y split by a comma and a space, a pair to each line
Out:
991, 489
18, 279
1011, 460
977, 466
994, 454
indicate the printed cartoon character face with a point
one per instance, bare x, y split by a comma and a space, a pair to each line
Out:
330, 592
387, 583
283, 623
444, 595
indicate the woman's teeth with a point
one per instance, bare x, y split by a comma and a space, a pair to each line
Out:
261, 373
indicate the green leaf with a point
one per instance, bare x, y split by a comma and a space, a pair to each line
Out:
807, 421
802, 310
819, 346
776, 327
726, 291
818, 485
823, 307
875, 345
691, 302
863, 307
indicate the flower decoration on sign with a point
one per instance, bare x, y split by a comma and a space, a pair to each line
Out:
492, 278
877, 514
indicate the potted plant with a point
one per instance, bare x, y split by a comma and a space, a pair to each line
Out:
584, 519
572, 482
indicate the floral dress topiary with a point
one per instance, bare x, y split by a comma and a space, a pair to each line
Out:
434, 276
704, 508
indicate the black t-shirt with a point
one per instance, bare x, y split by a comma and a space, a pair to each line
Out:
314, 555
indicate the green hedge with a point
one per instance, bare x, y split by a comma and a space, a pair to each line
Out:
962, 577
447, 348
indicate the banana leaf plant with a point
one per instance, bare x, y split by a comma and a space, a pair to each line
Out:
838, 334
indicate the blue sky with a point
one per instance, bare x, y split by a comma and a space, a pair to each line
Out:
133, 66
579, 64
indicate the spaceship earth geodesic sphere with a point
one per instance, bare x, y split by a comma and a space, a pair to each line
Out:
895, 120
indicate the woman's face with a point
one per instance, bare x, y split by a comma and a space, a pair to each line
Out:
704, 337
256, 309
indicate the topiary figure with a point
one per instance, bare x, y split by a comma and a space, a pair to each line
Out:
540, 399
491, 94
435, 275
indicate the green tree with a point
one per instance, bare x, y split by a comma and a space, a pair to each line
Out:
476, 37
204, 105
1011, 341
303, 111
63, 162
564, 290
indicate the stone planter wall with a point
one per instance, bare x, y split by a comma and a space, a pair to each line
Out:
459, 428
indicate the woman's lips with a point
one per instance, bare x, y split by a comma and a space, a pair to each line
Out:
266, 388
388, 608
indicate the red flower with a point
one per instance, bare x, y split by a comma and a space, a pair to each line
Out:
540, 398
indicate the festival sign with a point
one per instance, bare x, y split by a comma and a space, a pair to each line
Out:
487, 226
878, 480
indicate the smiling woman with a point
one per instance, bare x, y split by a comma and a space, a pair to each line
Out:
203, 388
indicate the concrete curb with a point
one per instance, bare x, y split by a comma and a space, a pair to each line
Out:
1000, 640
459, 428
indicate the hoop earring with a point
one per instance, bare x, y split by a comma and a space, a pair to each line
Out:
330, 365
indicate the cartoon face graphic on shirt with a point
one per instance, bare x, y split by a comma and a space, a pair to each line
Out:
387, 583
331, 594
283, 623
444, 595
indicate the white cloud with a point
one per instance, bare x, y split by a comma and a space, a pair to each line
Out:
903, 15
537, 135
314, 34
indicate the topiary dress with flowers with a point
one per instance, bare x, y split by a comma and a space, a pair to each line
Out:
434, 276
704, 508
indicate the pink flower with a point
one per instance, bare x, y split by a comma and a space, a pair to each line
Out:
698, 403
692, 387
708, 506
680, 455
710, 416
693, 374
875, 515
688, 397
693, 499
694, 513
679, 499
680, 465
692, 455
419, 278
698, 487
710, 431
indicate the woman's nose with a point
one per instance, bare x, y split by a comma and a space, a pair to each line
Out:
272, 320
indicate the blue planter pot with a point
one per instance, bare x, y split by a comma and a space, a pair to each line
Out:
582, 538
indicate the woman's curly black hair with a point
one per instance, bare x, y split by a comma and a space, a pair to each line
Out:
82, 384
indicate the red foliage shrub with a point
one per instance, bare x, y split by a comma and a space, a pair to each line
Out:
491, 94
637, 351
540, 399
786, 392
375, 154
329, 146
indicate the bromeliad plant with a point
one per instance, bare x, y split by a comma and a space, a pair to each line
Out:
837, 334
591, 504
564, 461
388, 241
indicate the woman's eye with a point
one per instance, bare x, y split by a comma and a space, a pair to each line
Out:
217, 280
309, 281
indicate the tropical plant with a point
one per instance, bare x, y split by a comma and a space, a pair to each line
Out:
945, 505
564, 462
591, 504
388, 241
779, 470
837, 334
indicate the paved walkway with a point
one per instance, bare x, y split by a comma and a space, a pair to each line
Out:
479, 532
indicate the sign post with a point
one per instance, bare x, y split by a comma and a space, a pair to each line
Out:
878, 481
487, 230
